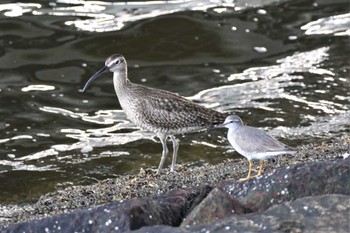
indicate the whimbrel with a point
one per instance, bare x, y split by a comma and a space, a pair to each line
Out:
161, 112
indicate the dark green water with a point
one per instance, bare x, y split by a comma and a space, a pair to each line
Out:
281, 65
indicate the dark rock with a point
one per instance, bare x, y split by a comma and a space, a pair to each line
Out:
217, 205
129, 215
282, 185
327, 213
293, 182
169, 209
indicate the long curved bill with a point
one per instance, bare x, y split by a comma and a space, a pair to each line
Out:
95, 76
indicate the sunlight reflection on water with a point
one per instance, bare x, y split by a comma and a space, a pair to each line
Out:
282, 73
338, 25
268, 83
108, 16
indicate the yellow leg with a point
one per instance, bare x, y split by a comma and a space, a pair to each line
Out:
249, 172
261, 167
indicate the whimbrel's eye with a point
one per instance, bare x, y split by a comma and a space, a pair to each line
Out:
117, 62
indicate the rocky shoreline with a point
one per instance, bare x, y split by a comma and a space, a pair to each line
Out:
315, 183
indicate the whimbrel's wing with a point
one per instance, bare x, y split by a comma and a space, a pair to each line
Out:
165, 109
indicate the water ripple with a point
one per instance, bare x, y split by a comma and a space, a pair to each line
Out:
338, 25
320, 127
18, 9
38, 87
269, 83
108, 16
18, 165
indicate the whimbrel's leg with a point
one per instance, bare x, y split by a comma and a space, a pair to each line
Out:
165, 152
175, 150
261, 167
249, 172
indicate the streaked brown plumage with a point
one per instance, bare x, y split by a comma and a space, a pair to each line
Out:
162, 112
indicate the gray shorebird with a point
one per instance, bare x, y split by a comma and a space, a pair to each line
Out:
253, 143
161, 112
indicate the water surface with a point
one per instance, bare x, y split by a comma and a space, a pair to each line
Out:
280, 65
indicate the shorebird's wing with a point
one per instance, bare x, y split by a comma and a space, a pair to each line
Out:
162, 108
256, 141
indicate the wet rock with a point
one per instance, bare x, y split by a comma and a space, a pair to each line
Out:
168, 209
217, 205
129, 215
293, 182
326, 213
257, 195
146, 184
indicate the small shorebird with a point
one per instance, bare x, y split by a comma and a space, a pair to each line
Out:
161, 112
253, 143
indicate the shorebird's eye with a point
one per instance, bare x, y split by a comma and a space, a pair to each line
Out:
231, 121
116, 62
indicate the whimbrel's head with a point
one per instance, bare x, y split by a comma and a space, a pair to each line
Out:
114, 63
